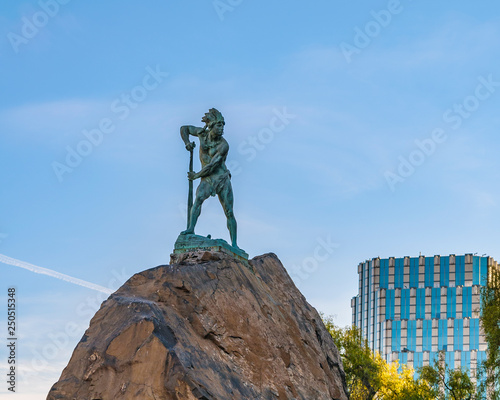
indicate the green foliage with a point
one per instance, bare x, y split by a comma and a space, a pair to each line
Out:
490, 321
368, 375
361, 369
400, 383
447, 383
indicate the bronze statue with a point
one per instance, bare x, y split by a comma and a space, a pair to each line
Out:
214, 175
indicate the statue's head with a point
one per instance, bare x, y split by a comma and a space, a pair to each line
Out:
214, 121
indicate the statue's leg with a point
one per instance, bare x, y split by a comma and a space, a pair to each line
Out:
226, 200
202, 193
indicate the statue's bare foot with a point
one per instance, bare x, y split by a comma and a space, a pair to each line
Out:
188, 232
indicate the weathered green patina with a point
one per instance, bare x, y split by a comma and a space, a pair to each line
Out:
190, 242
215, 179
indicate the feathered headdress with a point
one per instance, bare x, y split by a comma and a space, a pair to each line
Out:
211, 117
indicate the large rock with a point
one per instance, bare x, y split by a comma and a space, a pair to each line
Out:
208, 327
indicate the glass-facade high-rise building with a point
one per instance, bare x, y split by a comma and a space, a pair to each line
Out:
411, 308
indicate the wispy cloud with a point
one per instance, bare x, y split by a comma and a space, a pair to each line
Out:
456, 40
57, 122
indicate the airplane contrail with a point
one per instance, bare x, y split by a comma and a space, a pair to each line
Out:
53, 274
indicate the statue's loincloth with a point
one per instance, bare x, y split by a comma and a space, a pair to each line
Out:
217, 183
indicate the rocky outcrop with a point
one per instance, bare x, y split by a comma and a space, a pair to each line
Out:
207, 327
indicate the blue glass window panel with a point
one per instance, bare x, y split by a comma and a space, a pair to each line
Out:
436, 303
427, 335
465, 359
414, 272
366, 278
444, 271
450, 359
384, 274
484, 271
476, 270
443, 334
403, 360
420, 314
399, 273
418, 360
412, 335
405, 304
396, 336
451, 299
429, 271
389, 304
474, 334
458, 334
467, 302
459, 270
481, 357
369, 273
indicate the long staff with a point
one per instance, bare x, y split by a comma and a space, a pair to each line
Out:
190, 195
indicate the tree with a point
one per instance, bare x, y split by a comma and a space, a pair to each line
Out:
361, 369
489, 371
448, 383
399, 382
368, 375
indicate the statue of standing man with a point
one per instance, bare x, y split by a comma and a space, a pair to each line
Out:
214, 175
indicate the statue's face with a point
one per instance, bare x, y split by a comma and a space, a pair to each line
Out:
218, 128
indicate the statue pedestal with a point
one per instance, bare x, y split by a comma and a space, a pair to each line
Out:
189, 243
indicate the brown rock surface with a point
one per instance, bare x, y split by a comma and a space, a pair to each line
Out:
208, 327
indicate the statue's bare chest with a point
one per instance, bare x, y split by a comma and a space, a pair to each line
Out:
208, 150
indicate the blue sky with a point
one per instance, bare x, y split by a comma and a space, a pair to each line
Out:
356, 131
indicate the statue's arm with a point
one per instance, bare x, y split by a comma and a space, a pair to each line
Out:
187, 130
216, 161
